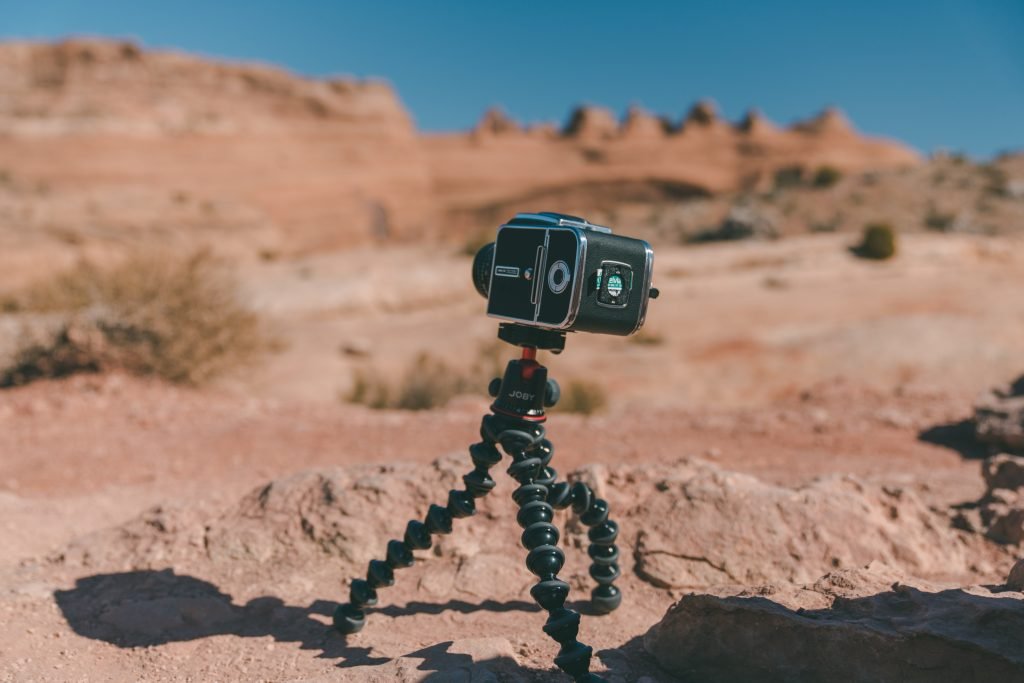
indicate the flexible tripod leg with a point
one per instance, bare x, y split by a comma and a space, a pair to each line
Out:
350, 617
593, 512
531, 453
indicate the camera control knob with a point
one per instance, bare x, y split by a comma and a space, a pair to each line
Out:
494, 387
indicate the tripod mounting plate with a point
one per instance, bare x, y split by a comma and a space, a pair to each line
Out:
538, 338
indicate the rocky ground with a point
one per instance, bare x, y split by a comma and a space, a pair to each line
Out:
788, 452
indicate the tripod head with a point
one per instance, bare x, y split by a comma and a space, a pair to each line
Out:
525, 390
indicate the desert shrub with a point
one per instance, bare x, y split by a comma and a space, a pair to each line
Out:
830, 225
878, 242
178, 318
582, 396
788, 176
995, 179
475, 241
428, 381
826, 176
369, 390
939, 221
647, 338
68, 352
742, 222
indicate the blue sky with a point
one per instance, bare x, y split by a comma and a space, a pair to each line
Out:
938, 74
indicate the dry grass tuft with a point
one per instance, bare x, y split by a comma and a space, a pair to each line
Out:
428, 381
647, 337
582, 396
178, 318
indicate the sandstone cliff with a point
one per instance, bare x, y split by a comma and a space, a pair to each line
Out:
104, 143
596, 162
318, 163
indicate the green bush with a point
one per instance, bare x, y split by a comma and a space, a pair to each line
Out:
826, 176
878, 242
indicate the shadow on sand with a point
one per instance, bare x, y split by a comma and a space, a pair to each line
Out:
957, 436
147, 608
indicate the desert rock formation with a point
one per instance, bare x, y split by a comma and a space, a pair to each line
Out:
598, 163
129, 144
102, 141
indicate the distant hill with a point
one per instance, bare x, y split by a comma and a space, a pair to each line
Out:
130, 144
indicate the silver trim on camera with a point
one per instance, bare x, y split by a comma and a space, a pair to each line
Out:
648, 280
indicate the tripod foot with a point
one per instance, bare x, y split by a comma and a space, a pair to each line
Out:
349, 619
605, 599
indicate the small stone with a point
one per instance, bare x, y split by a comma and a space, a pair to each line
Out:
484, 649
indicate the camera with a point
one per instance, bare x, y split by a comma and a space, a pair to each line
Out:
559, 272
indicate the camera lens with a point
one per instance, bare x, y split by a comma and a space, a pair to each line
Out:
482, 264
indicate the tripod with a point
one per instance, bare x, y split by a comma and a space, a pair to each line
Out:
516, 425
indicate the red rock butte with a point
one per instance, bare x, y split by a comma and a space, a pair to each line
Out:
338, 162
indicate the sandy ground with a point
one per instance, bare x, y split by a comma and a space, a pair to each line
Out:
786, 360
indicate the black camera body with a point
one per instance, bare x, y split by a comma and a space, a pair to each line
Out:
562, 273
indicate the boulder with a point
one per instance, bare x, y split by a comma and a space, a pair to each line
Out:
704, 526
854, 625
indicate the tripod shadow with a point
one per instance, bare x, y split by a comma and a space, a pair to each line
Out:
956, 436
147, 608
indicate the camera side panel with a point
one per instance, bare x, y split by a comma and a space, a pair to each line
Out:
514, 286
617, 279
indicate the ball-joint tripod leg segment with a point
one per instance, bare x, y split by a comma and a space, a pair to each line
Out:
350, 617
516, 425
531, 453
604, 554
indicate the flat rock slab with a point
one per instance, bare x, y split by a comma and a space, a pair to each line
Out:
857, 625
